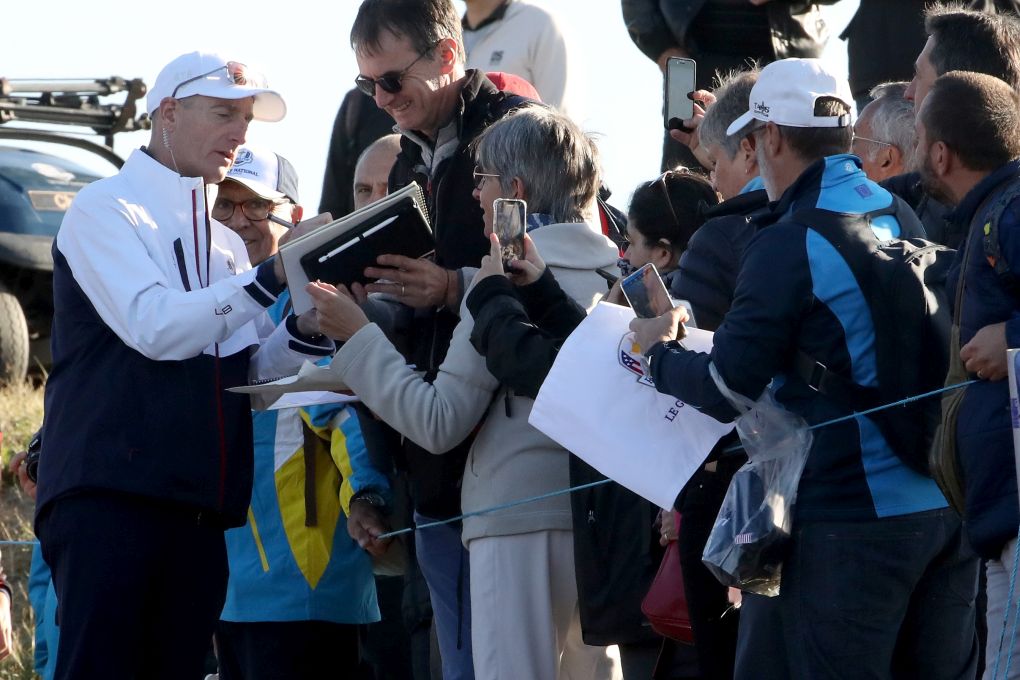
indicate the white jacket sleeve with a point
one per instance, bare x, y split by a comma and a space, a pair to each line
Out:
436, 416
284, 351
132, 294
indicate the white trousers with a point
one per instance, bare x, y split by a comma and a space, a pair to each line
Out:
999, 573
524, 616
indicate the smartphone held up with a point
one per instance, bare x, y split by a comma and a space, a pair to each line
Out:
679, 84
509, 224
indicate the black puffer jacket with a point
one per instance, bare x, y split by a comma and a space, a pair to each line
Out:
708, 268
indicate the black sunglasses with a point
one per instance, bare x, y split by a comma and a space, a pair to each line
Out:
389, 82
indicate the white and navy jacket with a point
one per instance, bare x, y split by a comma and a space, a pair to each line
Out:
156, 312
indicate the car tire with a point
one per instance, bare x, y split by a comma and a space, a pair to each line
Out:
13, 339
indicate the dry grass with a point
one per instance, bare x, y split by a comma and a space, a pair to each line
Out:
21, 409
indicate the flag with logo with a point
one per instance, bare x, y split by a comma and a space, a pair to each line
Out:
599, 404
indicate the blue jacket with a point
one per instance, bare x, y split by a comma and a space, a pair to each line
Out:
795, 292
984, 434
281, 569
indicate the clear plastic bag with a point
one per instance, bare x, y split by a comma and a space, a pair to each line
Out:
751, 535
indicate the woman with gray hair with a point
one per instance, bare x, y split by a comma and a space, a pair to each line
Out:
521, 559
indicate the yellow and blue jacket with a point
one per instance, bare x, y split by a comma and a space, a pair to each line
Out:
293, 560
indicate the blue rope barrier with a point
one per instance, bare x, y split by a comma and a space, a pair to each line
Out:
572, 489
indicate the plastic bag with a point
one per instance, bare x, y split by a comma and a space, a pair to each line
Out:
751, 535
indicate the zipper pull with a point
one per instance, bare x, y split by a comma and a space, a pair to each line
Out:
591, 517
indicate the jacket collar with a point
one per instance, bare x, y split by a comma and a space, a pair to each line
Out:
155, 179
741, 204
497, 15
823, 172
963, 214
472, 85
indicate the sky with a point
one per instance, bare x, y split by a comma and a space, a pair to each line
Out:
302, 47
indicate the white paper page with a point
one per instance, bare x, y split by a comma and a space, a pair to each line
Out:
295, 399
597, 403
310, 378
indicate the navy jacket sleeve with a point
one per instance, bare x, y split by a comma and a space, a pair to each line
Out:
1009, 243
518, 352
758, 339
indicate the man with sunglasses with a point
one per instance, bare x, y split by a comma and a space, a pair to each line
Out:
157, 312
410, 56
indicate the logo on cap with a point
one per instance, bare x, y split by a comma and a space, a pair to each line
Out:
761, 109
244, 156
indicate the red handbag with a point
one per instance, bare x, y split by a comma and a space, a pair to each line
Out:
665, 604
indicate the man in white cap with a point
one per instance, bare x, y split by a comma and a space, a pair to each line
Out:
877, 581
157, 313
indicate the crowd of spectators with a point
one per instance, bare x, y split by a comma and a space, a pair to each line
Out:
182, 532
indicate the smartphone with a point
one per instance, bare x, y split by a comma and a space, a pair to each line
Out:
679, 83
646, 293
509, 224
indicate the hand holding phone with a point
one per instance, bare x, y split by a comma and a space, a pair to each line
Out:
679, 84
509, 224
646, 293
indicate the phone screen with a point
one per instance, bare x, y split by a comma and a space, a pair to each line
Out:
509, 224
646, 293
680, 82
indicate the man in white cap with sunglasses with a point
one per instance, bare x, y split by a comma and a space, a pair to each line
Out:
877, 581
157, 313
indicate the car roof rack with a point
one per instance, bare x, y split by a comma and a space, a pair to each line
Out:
73, 102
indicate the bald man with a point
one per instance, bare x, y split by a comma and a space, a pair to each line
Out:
372, 171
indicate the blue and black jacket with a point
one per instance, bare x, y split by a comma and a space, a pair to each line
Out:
984, 434
795, 293
117, 421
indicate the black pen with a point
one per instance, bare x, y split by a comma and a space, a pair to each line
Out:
279, 220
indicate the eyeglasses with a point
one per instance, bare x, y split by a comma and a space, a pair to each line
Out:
255, 209
480, 176
234, 72
389, 82
873, 141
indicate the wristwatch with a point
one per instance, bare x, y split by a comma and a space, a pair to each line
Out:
373, 498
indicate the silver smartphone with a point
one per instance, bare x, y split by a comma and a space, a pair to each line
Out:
679, 83
509, 222
646, 293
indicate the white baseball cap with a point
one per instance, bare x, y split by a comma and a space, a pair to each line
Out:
786, 92
212, 75
268, 174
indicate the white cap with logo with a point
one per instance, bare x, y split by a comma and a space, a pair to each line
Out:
786, 92
268, 174
212, 75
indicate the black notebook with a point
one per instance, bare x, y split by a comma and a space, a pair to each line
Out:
338, 252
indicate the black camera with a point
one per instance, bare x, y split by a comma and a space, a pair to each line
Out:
32, 460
